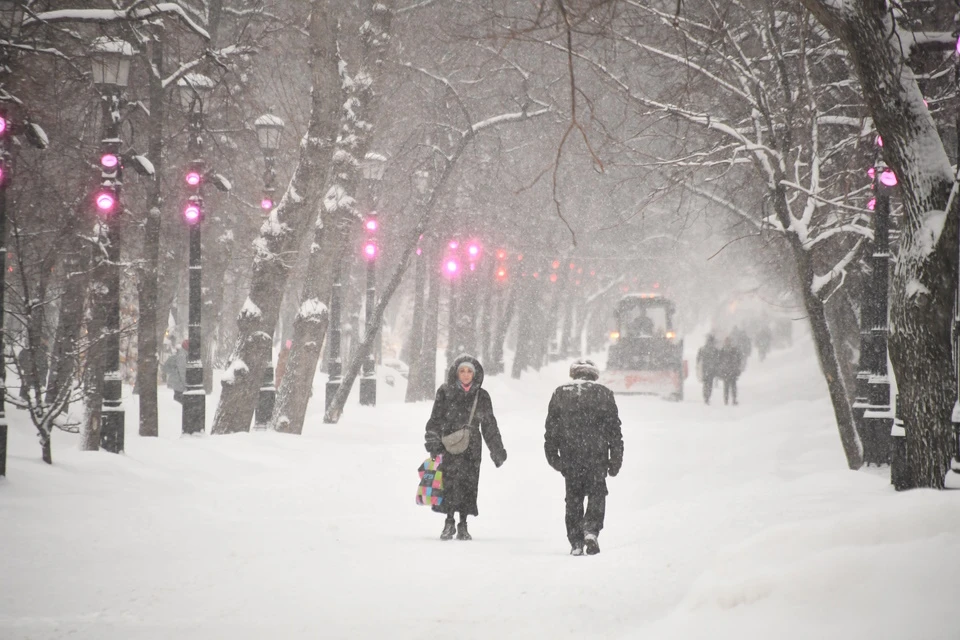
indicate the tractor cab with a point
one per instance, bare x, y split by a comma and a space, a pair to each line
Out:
645, 356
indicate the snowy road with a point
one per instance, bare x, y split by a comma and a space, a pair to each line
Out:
727, 522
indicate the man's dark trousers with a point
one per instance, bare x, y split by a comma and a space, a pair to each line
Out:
589, 484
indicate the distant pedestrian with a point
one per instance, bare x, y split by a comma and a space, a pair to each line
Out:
175, 368
764, 338
731, 364
708, 360
583, 441
462, 414
742, 341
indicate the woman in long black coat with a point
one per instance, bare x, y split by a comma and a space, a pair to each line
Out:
461, 472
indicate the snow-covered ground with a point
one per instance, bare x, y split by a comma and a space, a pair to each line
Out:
726, 522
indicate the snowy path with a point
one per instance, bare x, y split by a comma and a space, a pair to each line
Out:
732, 522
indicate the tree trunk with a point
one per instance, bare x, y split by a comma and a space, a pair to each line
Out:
417, 328
925, 277
427, 376
63, 361
280, 234
503, 325
147, 350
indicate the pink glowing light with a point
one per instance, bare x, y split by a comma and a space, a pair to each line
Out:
371, 225
419, 251
871, 172
453, 244
193, 178
109, 161
105, 201
888, 178
266, 204
872, 204
473, 250
370, 250
879, 141
191, 213
3, 124
452, 267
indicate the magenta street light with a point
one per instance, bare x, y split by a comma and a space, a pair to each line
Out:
192, 213
106, 202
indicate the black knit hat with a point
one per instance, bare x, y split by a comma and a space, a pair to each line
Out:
584, 370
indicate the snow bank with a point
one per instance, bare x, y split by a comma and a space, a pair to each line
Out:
725, 522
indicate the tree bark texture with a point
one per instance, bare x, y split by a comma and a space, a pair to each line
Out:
147, 351
925, 276
275, 249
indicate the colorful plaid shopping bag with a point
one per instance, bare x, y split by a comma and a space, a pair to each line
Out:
430, 491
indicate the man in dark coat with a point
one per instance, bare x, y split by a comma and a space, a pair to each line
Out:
461, 472
731, 364
708, 360
583, 442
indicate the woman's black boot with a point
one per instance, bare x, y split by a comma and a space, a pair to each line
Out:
449, 529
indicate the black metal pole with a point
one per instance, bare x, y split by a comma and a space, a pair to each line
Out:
368, 373
334, 360
268, 390
112, 416
4, 176
872, 404
193, 418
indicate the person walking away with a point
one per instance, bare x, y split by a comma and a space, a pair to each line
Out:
175, 369
462, 403
764, 339
708, 358
742, 341
583, 442
731, 364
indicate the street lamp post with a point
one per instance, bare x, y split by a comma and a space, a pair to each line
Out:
269, 127
334, 361
373, 168
194, 87
110, 59
872, 404
11, 18
368, 372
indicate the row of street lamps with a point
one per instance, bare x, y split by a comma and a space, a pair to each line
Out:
111, 68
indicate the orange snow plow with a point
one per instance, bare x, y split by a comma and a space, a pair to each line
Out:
646, 356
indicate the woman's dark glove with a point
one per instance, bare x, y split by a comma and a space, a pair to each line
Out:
613, 469
498, 457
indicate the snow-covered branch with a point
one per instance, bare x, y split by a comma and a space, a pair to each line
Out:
136, 13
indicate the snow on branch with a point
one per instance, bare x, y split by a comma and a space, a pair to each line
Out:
136, 13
